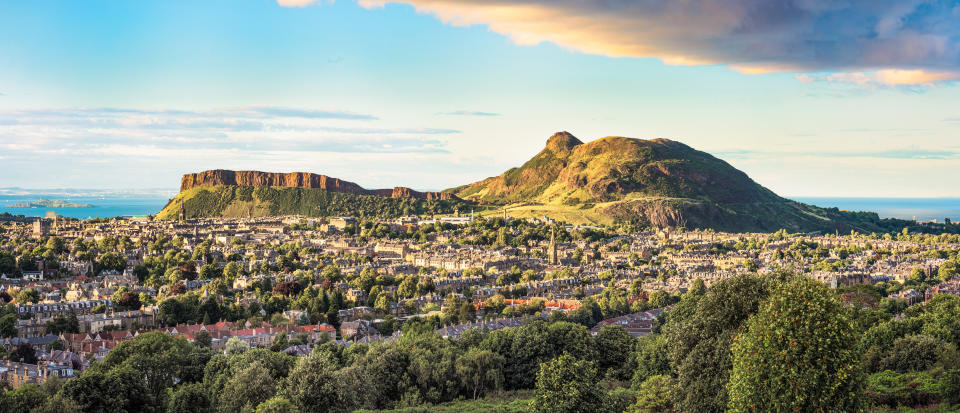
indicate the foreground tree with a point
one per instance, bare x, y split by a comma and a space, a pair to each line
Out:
797, 354
247, 389
566, 384
699, 332
481, 371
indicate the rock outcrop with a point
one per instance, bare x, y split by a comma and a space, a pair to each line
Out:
223, 177
256, 178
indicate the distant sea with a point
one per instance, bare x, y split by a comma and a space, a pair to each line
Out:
113, 203
106, 203
922, 209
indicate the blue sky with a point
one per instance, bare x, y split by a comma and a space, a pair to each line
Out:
809, 100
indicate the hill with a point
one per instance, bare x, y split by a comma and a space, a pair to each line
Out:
656, 182
239, 194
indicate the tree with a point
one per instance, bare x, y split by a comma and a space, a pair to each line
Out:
525, 348
615, 352
697, 287
315, 385
659, 299
651, 358
56, 345
202, 339
280, 343
571, 338
160, 360
57, 404
28, 295
566, 384
382, 304
916, 353
22, 399
700, 331
8, 263
276, 405
797, 353
112, 261
189, 398
236, 346
655, 395
63, 324
24, 353
8, 325
480, 371
121, 390
248, 388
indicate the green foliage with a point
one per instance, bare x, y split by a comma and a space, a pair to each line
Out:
315, 385
28, 295
249, 386
567, 384
22, 399
916, 353
797, 353
189, 398
481, 371
160, 361
243, 201
276, 405
927, 388
63, 324
651, 358
615, 353
700, 336
655, 395
120, 390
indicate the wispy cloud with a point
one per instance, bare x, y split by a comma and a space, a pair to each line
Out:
894, 42
150, 133
884, 154
470, 113
301, 3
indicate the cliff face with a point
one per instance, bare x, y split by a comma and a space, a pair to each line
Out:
404, 192
256, 178
222, 177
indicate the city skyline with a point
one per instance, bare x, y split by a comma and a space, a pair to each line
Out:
434, 94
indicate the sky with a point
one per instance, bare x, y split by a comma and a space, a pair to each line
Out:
855, 98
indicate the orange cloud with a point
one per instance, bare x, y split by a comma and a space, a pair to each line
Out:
860, 41
914, 77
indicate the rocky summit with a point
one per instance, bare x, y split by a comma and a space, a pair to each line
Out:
656, 182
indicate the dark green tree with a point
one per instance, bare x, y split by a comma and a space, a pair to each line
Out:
797, 353
566, 384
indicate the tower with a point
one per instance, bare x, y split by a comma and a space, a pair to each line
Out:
553, 247
183, 214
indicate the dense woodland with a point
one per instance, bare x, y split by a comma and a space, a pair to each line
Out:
750, 343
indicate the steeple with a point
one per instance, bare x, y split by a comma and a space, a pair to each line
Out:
553, 246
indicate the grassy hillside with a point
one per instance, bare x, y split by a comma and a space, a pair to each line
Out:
250, 201
655, 182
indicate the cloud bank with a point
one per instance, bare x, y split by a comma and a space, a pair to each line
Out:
892, 42
158, 133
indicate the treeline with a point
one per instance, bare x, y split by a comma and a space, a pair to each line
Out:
156, 372
242, 201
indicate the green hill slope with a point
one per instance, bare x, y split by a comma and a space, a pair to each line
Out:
257, 201
656, 182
